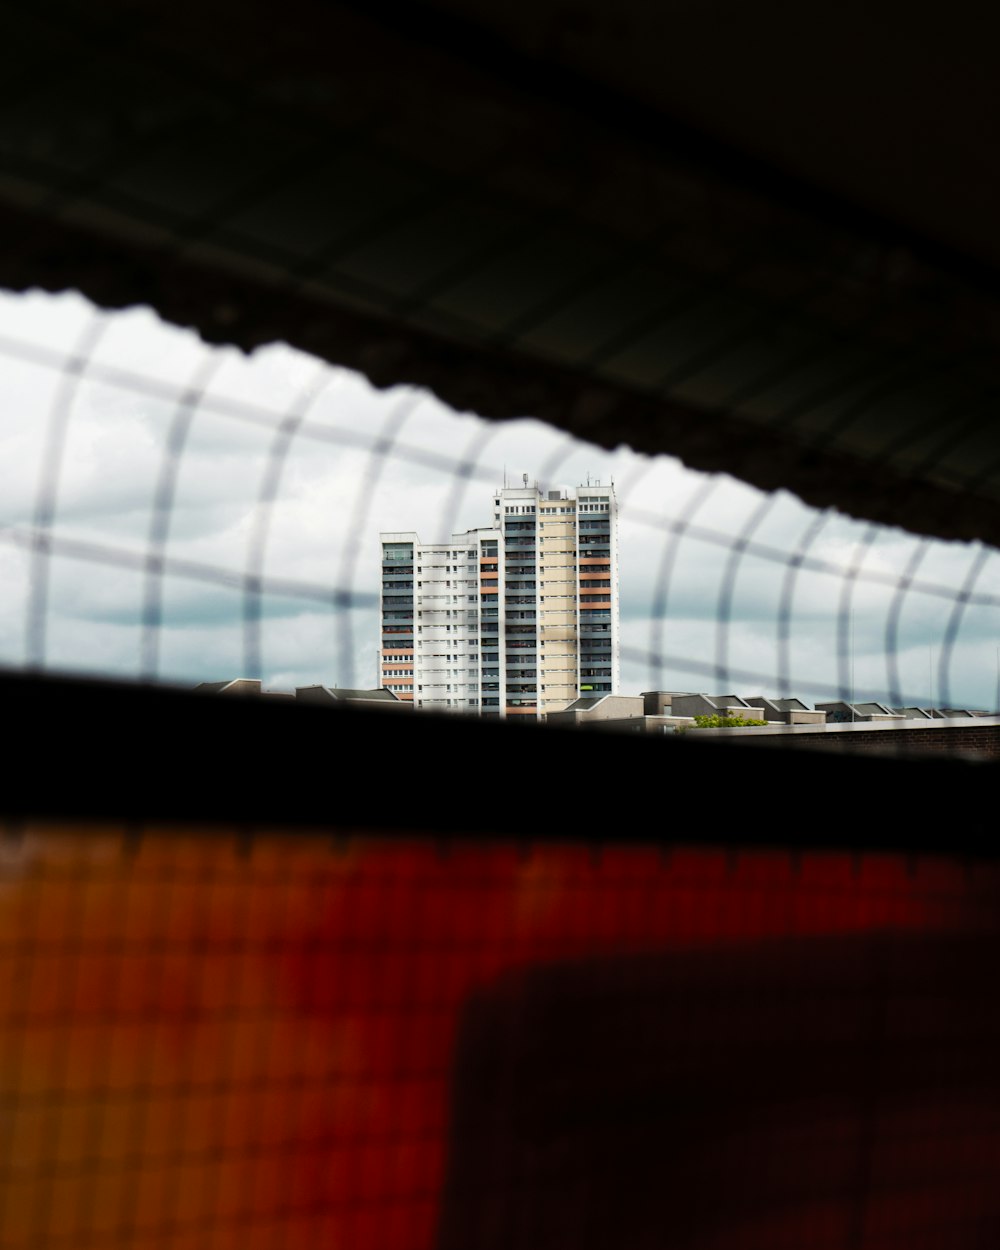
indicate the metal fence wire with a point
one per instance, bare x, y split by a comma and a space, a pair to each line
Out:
716, 1030
123, 435
402, 1044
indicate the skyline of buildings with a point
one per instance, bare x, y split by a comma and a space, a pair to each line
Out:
515, 618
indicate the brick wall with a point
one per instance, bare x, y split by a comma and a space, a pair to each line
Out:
971, 739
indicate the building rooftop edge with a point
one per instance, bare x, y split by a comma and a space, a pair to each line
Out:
901, 725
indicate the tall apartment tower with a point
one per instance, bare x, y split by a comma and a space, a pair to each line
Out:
515, 619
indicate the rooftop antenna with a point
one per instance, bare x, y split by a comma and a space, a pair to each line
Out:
524, 479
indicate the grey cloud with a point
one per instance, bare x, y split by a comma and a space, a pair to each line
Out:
322, 513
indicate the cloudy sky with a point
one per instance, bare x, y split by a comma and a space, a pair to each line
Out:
214, 515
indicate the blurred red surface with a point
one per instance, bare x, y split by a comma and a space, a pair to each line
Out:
214, 1042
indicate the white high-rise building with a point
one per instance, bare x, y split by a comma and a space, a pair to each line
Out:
516, 619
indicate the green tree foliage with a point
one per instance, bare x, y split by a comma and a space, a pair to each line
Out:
724, 722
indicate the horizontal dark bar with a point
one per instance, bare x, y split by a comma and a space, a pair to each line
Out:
82, 750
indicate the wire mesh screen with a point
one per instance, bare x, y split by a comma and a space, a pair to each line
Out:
453, 207
215, 1038
182, 512
262, 1040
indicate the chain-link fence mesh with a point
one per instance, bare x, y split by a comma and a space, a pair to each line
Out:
273, 1041
403, 1042
177, 511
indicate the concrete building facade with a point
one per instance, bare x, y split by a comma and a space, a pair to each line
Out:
516, 619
